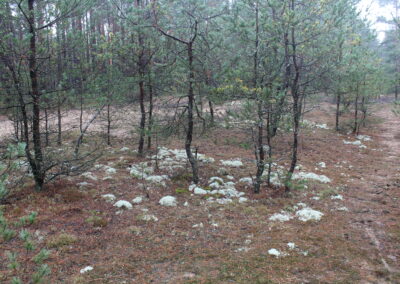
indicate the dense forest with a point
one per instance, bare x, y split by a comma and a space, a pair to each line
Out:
114, 85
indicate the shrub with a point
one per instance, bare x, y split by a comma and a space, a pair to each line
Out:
18, 266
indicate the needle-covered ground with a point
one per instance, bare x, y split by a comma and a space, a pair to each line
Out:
139, 220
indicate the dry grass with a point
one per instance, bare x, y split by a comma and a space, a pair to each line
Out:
60, 240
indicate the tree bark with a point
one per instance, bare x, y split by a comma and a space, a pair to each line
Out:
189, 134
338, 99
141, 67
38, 172
296, 107
151, 106
260, 154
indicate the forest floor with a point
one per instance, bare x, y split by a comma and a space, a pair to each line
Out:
357, 239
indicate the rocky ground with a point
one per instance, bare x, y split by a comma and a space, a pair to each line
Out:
139, 220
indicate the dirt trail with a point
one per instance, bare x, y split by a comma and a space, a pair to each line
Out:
374, 202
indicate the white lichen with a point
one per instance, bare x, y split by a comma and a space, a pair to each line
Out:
199, 191
274, 252
232, 163
123, 204
308, 214
137, 200
337, 197
280, 217
364, 137
247, 180
109, 197
291, 245
312, 176
86, 269
168, 201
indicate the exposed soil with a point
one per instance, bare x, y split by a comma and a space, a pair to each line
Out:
361, 245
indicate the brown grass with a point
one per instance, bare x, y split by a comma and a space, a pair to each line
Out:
124, 248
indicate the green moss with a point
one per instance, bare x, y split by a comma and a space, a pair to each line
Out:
181, 191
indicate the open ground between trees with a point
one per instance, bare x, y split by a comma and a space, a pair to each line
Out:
78, 77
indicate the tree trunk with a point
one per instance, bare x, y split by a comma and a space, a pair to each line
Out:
37, 170
151, 106
141, 67
338, 99
46, 120
108, 125
142, 117
189, 134
296, 108
355, 129
260, 154
59, 122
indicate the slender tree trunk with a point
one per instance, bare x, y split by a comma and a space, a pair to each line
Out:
189, 134
22, 130
38, 172
269, 146
296, 107
210, 105
108, 125
338, 99
339, 95
151, 106
355, 129
46, 123
59, 122
260, 154
141, 67
142, 117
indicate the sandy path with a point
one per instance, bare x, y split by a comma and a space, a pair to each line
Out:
373, 201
